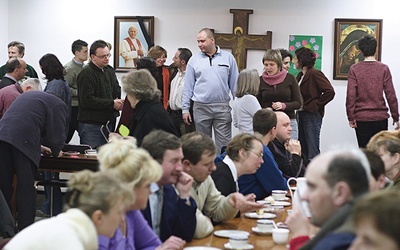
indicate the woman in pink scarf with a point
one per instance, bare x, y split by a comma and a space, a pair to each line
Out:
279, 90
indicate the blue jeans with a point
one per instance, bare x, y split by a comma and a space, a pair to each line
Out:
309, 132
294, 134
90, 133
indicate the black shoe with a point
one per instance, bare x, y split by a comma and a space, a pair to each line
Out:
40, 213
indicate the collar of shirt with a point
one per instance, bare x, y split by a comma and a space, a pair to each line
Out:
12, 78
228, 161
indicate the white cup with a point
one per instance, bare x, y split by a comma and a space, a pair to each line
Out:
301, 184
278, 194
280, 235
91, 151
238, 240
297, 197
265, 225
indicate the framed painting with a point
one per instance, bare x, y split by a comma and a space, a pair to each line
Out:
133, 36
347, 34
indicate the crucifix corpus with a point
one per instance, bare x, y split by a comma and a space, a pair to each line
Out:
240, 41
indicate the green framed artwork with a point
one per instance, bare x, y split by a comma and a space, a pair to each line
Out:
312, 42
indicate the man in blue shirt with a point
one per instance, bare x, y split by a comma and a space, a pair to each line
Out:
210, 76
268, 177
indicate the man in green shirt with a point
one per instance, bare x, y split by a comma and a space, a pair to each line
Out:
17, 49
73, 68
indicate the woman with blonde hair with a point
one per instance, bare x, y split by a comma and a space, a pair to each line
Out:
136, 167
279, 91
95, 203
386, 144
246, 103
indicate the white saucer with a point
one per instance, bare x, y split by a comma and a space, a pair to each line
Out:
229, 233
284, 199
201, 248
91, 155
254, 215
281, 203
245, 247
258, 231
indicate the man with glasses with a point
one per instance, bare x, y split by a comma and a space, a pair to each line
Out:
268, 177
99, 96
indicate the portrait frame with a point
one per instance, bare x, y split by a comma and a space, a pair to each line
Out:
145, 34
347, 33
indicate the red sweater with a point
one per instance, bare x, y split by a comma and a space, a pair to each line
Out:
367, 81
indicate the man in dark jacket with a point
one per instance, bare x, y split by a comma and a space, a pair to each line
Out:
34, 124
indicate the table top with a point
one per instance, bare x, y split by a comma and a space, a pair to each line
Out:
245, 224
69, 163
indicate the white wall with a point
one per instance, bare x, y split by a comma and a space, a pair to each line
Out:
47, 26
3, 26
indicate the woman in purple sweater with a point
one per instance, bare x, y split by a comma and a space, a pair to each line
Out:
365, 104
136, 167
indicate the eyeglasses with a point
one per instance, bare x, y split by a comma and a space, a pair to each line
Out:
259, 154
104, 56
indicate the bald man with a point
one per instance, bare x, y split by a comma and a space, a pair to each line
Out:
335, 180
287, 152
16, 69
131, 48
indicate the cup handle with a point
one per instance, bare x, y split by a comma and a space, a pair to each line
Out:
288, 185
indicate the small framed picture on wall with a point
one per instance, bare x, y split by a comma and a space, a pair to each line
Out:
133, 36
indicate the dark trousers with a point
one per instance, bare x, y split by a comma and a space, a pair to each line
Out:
181, 127
365, 130
73, 124
13, 161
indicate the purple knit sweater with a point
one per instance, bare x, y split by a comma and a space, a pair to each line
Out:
367, 81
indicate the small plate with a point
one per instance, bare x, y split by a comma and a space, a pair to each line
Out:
245, 247
201, 248
281, 203
71, 153
229, 233
254, 215
284, 199
258, 231
91, 155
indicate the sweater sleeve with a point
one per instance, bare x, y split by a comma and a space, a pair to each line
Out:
298, 242
351, 95
296, 100
390, 94
326, 89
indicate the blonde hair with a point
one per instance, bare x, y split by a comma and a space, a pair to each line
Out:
275, 56
133, 165
90, 191
140, 84
390, 140
241, 141
248, 83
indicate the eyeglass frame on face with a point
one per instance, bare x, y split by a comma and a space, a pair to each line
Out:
103, 56
259, 155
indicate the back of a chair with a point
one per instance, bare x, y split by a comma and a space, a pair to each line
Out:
78, 148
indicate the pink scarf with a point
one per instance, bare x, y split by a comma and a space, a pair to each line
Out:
274, 79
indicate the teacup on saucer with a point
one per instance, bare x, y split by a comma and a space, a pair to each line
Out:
261, 232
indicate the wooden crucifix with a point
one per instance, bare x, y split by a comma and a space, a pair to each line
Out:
240, 41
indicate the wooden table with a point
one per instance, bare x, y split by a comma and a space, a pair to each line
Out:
259, 242
66, 163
